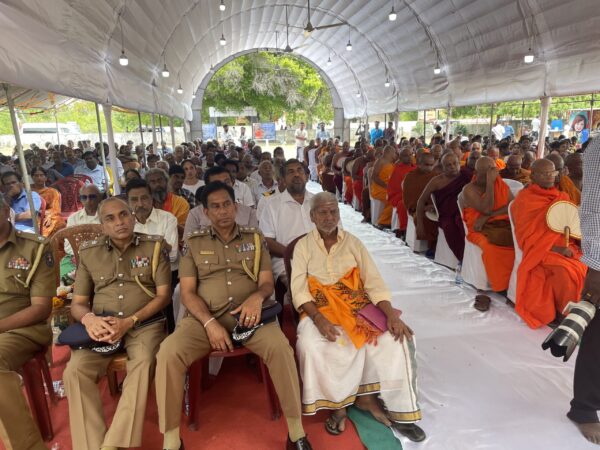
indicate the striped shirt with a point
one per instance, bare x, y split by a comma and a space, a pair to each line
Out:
590, 205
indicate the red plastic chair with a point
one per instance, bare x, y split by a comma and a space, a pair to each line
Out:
287, 262
198, 381
36, 374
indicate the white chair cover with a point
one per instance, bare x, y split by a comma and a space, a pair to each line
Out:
514, 186
443, 253
377, 207
512, 284
473, 270
395, 222
415, 244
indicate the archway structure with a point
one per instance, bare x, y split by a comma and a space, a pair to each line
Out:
198, 101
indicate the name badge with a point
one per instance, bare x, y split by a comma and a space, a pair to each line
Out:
19, 263
140, 261
207, 252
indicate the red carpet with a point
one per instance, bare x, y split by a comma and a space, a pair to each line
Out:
234, 415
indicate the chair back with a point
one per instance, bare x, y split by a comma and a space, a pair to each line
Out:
76, 235
69, 188
514, 186
287, 262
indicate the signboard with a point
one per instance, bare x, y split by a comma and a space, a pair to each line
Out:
209, 131
579, 121
264, 131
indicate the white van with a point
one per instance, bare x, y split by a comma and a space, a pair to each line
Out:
39, 133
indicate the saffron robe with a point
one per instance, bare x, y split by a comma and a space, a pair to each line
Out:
567, 186
380, 193
394, 192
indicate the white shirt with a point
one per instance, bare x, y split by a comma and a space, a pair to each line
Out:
535, 124
284, 219
79, 218
162, 223
301, 134
226, 136
498, 131
243, 194
193, 187
260, 190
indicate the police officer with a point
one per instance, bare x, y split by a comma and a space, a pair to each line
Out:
219, 277
127, 276
26, 286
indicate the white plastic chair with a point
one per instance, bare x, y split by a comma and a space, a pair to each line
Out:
377, 207
512, 284
473, 271
416, 245
395, 222
443, 253
514, 186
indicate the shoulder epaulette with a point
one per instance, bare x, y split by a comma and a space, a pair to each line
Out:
32, 236
149, 237
204, 231
250, 230
92, 243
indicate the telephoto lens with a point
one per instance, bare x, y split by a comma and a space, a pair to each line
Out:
563, 340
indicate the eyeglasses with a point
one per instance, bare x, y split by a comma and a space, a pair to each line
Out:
549, 174
84, 197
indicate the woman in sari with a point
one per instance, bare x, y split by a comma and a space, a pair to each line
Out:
53, 221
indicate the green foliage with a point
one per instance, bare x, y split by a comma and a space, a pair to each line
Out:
274, 84
407, 116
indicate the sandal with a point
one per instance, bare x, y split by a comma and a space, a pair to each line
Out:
332, 424
482, 303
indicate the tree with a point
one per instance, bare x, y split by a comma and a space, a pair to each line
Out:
274, 84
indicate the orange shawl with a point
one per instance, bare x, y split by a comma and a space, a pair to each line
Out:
567, 186
546, 280
379, 192
340, 303
497, 260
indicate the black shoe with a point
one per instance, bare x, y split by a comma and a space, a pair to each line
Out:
412, 431
300, 444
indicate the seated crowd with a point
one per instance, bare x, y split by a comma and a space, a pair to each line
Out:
221, 222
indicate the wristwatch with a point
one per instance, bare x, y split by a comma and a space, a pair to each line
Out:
135, 320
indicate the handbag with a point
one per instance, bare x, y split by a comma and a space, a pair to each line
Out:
375, 316
240, 334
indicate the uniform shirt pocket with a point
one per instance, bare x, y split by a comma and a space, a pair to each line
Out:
207, 263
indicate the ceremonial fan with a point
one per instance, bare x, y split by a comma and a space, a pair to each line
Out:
563, 217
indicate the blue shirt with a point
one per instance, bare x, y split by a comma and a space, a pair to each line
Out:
376, 133
508, 131
66, 171
20, 205
322, 134
98, 175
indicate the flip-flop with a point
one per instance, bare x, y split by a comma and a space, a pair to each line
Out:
482, 303
332, 425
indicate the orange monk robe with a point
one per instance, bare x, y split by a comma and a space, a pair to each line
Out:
500, 164
497, 260
567, 186
380, 193
414, 185
348, 193
394, 191
546, 280
524, 176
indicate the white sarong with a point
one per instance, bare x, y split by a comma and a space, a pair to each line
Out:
335, 373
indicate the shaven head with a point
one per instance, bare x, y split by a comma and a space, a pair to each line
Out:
450, 164
116, 219
528, 159
425, 162
559, 165
543, 173
406, 155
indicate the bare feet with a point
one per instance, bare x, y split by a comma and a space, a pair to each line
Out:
591, 431
336, 422
371, 403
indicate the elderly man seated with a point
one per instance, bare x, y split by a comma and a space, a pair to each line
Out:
550, 274
352, 346
515, 171
562, 182
13, 187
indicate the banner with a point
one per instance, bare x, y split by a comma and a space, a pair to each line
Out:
264, 131
579, 120
209, 131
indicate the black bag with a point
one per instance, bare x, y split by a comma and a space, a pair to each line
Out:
240, 334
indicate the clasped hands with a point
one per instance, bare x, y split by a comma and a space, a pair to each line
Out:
106, 328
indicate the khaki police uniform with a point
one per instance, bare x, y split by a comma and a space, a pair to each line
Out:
225, 280
112, 281
27, 271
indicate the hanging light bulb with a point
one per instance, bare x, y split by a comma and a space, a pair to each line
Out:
349, 46
193, 96
387, 82
222, 41
180, 90
123, 60
222, 6
165, 71
357, 93
437, 70
393, 16
528, 58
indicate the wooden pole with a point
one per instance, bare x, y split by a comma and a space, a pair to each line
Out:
22, 163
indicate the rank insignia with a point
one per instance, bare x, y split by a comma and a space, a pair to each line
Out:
19, 263
246, 247
140, 261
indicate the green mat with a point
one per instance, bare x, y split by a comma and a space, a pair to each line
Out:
373, 434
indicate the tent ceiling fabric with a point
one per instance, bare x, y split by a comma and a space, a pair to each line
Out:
72, 47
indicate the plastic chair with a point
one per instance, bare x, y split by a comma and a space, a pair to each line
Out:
416, 245
473, 271
377, 207
443, 253
395, 222
512, 284
36, 374
514, 186
198, 381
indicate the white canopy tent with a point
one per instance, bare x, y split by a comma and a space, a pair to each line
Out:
72, 47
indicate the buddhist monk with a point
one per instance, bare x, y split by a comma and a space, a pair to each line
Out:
357, 174
337, 163
494, 153
474, 155
394, 188
550, 274
414, 185
515, 171
371, 157
382, 172
574, 163
485, 210
437, 151
346, 171
528, 159
445, 188
563, 182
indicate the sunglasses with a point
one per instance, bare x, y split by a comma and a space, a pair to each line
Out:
84, 197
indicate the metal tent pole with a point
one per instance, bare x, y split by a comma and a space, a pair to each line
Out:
448, 118
112, 151
160, 129
22, 164
154, 143
543, 126
102, 157
141, 129
522, 117
491, 121
172, 132
424, 126
57, 128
